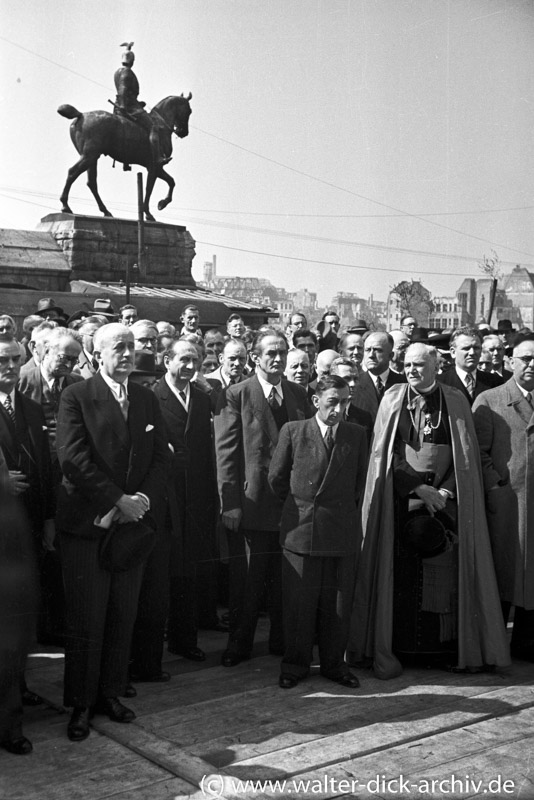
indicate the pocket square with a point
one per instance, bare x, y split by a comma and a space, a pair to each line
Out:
149, 428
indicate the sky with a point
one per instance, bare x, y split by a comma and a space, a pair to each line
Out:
338, 145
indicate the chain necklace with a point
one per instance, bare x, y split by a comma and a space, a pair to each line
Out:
427, 430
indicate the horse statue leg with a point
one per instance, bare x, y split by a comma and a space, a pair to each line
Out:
150, 181
171, 184
74, 172
92, 184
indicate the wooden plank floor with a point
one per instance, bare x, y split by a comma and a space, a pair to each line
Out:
431, 734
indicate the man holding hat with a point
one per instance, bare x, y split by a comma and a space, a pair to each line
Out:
443, 601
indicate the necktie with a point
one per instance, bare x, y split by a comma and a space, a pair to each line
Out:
273, 399
123, 402
8, 405
183, 396
529, 398
329, 441
55, 392
380, 387
470, 384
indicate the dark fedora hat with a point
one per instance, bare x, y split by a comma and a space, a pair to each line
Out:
104, 308
505, 326
358, 326
145, 364
46, 304
426, 534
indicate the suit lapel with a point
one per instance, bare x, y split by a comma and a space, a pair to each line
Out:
8, 433
368, 389
108, 407
520, 403
261, 409
339, 454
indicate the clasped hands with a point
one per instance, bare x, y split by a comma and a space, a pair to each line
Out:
433, 499
131, 508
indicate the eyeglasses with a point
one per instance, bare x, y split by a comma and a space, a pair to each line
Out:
64, 358
525, 359
148, 339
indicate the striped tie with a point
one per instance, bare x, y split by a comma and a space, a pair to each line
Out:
8, 405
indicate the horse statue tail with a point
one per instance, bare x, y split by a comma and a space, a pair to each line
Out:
69, 111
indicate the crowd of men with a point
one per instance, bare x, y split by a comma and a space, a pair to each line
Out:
371, 490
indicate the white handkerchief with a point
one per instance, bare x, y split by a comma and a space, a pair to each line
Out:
149, 428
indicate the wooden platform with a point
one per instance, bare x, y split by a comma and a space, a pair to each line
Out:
211, 727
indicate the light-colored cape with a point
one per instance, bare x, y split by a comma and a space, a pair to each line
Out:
481, 633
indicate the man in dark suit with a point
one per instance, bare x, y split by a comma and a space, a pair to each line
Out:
232, 361
114, 455
504, 419
247, 423
44, 383
378, 378
87, 365
347, 369
493, 352
187, 414
318, 472
466, 349
24, 444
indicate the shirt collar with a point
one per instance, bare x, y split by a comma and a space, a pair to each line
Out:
524, 392
186, 390
383, 376
3, 396
323, 427
462, 374
268, 387
114, 386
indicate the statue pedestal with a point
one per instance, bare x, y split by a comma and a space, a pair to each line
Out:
101, 248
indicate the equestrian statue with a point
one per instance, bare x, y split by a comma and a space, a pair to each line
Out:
130, 135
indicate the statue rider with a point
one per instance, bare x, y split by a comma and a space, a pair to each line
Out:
127, 104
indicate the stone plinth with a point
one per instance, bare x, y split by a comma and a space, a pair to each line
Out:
32, 259
101, 248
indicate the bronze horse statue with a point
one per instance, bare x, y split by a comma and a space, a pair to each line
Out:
97, 133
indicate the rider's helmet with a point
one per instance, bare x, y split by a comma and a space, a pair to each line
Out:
128, 56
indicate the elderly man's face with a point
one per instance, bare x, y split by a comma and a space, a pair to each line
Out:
377, 353
116, 356
493, 347
10, 364
146, 338
420, 368
61, 358
353, 348
522, 363
298, 367
233, 359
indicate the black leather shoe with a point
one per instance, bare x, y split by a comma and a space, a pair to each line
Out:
159, 677
130, 690
78, 727
286, 681
230, 659
192, 653
349, 680
19, 747
114, 709
31, 698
